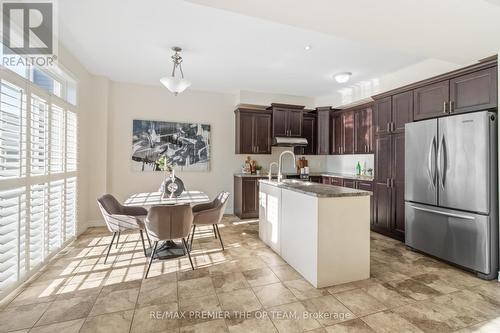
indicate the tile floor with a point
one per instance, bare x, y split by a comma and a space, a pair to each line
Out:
407, 291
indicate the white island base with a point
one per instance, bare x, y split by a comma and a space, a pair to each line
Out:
324, 236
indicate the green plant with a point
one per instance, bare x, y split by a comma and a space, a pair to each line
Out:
164, 164
258, 167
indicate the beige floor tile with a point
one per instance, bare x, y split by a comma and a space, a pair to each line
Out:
359, 302
72, 326
199, 309
351, 326
67, 309
42, 293
214, 326
387, 295
117, 297
390, 322
157, 290
251, 325
260, 276
239, 300
304, 290
117, 322
414, 289
24, 316
436, 282
192, 274
228, 282
489, 326
195, 287
274, 294
289, 318
327, 310
155, 318
285, 272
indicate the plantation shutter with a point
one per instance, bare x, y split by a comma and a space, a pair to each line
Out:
56, 214
12, 131
12, 235
39, 136
71, 141
70, 221
37, 223
57, 139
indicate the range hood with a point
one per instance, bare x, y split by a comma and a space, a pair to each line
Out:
285, 141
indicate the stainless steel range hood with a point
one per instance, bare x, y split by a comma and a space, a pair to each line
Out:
285, 141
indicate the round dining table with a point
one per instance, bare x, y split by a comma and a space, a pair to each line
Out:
169, 249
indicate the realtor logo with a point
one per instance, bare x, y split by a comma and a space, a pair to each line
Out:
28, 31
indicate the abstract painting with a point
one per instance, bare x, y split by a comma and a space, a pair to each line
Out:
186, 145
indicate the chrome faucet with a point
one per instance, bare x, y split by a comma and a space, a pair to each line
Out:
280, 174
270, 169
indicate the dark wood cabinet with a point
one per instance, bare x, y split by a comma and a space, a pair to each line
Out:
432, 100
253, 132
366, 186
402, 111
475, 91
347, 132
324, 131
348, 183
363, 131
315, 179
382, 116
336, 137
398, 184
246, 197
309, 132
327, 180
337, 181
287, 120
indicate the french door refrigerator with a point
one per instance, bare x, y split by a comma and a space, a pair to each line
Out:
451, 209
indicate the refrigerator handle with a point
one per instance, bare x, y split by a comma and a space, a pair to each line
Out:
460, 216
430, 158
441, 162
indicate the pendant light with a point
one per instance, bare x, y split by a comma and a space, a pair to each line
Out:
173, 83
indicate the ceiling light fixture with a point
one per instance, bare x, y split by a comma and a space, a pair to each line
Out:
307, 47
342, 77
173, 83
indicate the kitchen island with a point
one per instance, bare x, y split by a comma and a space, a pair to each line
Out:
322, 231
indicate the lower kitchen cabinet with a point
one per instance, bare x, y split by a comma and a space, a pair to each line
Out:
337, 181
348, 183
246, 197
315, 179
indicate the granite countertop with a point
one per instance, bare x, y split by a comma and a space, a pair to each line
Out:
317, 190
324, 174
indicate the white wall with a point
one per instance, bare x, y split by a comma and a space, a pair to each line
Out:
347, 163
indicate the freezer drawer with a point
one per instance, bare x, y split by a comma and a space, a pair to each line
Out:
455, 236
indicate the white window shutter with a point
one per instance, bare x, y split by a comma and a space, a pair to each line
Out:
12, 236
71, 204
12, 131
57, 122
71, 141
38, 224
56, 215
39, 136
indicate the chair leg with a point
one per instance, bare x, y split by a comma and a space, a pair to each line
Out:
118, 239
215, 232
220, 238
149, 240
151, 259
188, 253
192, 237
143, 246
110, 245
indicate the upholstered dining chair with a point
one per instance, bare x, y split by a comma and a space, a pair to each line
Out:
120, 218
166, 223
210, 214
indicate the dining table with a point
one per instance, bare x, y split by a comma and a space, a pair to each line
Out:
169, 249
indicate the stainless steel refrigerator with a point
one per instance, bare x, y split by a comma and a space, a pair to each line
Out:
451, 208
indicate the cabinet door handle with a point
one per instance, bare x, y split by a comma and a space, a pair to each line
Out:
393, 126
444, 107
451, 106
388, 127
257, 150
388, 182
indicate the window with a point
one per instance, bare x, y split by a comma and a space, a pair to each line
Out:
38, 173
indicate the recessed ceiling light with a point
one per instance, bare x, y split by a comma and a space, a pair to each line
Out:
342, 77
307, 47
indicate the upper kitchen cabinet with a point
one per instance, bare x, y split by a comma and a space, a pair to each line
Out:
402, 111
363, 130
383, 115
475, 91
347, 119
287, 120
253, 131
336, 137
466, 90
431, 100
309, 130
324, 130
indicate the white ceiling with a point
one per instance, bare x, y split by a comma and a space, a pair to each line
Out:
258, 45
